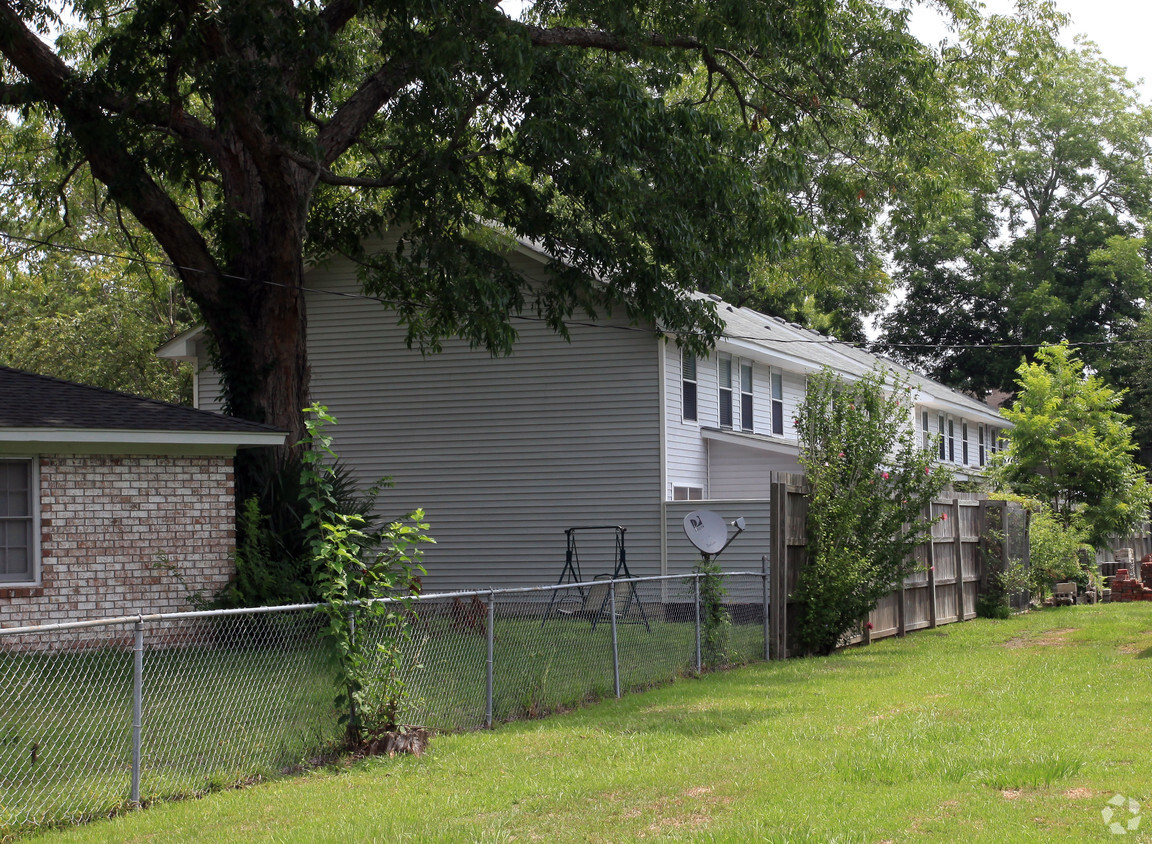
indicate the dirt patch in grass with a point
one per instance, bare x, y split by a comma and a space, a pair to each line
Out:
1080, 793
1010, 793
1047, 639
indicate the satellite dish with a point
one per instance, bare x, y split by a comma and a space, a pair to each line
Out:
706, 530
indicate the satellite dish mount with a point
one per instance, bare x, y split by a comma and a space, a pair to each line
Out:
709, 533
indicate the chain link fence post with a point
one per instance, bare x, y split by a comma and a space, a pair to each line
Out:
765, 562
137, 705
696, 608
491, 655
615, 641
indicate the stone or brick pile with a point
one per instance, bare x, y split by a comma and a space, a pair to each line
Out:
1127, 588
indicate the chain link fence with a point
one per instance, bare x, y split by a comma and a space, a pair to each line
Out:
99, 716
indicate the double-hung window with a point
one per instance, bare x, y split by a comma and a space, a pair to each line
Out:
746, 423
777, 403
17, 516
927, 429
941, 450
964, 442
982, 454
951, 440
725, 373
688, 382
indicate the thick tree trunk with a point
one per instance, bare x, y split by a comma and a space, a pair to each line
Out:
259, 320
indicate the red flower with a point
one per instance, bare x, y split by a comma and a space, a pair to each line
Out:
943, 517
868, 625
884, 476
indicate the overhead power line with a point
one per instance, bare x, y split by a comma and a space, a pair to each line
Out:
818, 340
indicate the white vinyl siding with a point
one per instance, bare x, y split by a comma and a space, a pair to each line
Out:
736, 472
503, 453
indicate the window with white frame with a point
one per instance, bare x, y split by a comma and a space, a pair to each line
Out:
941, 444
951, 440
964, 442
688, 382
777, 403
687, 493
982, 454
17, 517
746, 423
924, 423
725, 381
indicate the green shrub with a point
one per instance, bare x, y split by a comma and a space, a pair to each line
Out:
871, 482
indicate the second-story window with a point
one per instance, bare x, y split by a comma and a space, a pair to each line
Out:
981, 454
725, 373
777, 403
746, 396
941, 447
964, 442
927, 429
951, 441
688, 379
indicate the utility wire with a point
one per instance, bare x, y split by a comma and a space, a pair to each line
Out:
819, 340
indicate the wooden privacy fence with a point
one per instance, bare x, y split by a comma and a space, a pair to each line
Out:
944, 589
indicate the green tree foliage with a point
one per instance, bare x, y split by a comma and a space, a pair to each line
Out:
871, 482
1071, 448
646, 147
94, 308
1047, 242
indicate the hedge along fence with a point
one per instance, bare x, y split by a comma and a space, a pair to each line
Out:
973, 534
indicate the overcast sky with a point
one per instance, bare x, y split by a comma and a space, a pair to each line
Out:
1122, 29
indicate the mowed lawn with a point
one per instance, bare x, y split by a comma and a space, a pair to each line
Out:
1017, 730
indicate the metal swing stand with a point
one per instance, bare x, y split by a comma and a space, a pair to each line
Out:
571, 574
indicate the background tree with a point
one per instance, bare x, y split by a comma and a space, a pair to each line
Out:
84, 294
871, 482
1071, 448
246, 134
1048, 243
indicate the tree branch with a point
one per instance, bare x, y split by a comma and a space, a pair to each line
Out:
351, 118
127, 180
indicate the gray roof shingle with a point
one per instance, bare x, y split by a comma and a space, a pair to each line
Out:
28, 400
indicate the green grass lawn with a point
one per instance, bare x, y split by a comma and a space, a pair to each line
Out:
1015, 730
253, 697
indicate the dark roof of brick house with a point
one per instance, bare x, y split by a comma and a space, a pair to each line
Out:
28, 400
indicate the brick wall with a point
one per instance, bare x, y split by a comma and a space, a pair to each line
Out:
127, 534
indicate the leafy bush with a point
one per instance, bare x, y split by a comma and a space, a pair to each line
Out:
355, 568
1055, 549
871, 482
274, 563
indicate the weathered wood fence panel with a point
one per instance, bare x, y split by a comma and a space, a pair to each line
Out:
943, 590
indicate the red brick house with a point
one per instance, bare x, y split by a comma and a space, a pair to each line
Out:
111, 504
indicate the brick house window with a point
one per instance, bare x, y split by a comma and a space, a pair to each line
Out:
17, 520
